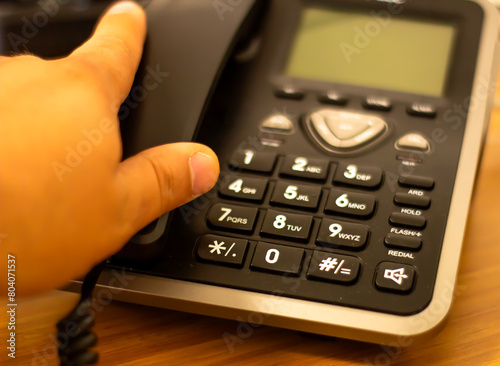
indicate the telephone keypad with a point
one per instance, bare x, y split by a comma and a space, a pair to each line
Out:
361, 176
253, 160
333, 267
222, 249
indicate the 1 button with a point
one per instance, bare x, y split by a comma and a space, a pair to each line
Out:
416, 181
296, 195
350, 203
360, 176
401, 219
252, 160
277, 258
251, 189
334, 233
405, 199
402, 242
287, 225
231, 217
333, 267
299, 166
395, 277
377, 103
222, 249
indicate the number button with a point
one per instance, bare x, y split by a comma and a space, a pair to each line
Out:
350, 203
287, 225
232, 217
222, 249
299, 166
252, 160
296, 195
334, 233
252, 189
277, 258
360, 176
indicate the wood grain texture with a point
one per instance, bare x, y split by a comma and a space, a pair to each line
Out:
142, 336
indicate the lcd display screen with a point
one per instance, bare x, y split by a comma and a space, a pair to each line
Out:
372, 50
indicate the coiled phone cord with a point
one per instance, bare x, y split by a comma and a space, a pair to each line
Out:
74, 334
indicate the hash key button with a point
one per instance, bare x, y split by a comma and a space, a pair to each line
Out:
232, 217
222, 249
395, 277
350, 203
277, 258
287, 225
333, 267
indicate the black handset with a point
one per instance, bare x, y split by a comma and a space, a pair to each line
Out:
349, 133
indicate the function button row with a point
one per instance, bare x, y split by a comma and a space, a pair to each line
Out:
413, 141
290, 92
287, 225
322, 266
378, 103
332, 97
296, 195
251, 189
361, 176
350, 203
422, 110
222, 249
406, 199
232, 217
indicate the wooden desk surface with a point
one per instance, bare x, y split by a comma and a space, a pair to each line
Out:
140, 336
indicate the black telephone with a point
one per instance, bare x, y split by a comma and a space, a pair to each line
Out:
349, 134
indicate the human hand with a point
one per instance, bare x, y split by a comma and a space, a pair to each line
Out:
60, 223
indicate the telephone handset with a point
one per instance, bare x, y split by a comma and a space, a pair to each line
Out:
349, 134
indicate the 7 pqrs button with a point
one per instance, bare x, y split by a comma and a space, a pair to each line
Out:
232, 217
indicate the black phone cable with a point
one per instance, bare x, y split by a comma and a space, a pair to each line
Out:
74, 335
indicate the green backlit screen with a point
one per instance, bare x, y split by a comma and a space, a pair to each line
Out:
370, 51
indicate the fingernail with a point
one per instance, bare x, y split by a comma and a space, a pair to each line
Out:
203, 176
124, 7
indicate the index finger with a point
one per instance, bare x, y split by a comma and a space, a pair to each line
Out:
114, 51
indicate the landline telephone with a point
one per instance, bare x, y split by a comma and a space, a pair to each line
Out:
349, 135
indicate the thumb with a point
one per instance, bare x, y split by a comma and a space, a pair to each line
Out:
162, 178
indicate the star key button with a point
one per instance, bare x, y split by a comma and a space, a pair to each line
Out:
222, 249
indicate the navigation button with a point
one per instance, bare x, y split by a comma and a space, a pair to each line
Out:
222, 249
232, 217
277, 258
333, 267
395, 277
